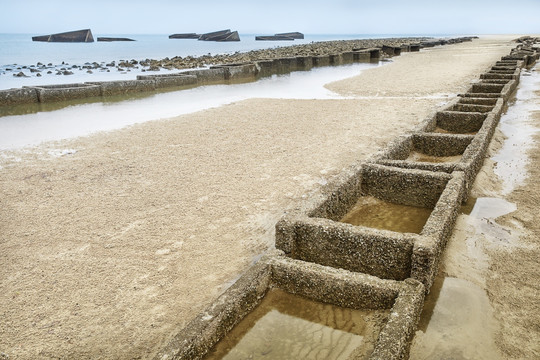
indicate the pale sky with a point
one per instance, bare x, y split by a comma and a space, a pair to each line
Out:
39, 17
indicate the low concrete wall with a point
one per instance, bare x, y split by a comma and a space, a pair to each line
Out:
304, 62
238, 71
18, 96
54, 93
109, 88
361, 56
315, 282
163, 81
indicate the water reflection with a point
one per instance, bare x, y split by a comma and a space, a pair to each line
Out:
286, 326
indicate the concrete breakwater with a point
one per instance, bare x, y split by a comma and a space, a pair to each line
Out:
222, 69
324, 259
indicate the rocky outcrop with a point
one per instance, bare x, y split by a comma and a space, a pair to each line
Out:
110, 39
222, 35
70, 36
184, 36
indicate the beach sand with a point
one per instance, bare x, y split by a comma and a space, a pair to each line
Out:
108, 250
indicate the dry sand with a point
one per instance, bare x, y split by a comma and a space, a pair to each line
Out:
105, 252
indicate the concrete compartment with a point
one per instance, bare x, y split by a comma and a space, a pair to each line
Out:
313, 232
458, 122
490, 90
404, 300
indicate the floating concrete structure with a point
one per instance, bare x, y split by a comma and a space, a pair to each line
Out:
222, 35
273, 38
281, 37
294, 35
70, 36
111, 39
184, 36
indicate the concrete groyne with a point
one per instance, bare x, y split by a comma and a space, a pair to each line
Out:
216, 74
321, 257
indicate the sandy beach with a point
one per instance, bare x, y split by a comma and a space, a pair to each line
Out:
109, 249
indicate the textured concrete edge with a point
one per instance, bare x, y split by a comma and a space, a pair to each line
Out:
316, 282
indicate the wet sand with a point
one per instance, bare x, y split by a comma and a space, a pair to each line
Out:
110, 243
485, 302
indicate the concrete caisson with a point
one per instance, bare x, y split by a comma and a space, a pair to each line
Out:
314, 233
339, 287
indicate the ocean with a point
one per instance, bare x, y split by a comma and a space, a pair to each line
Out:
18, 53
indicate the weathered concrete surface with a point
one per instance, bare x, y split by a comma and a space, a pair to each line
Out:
70, 36
319, 283
110, 39
54, 93
184, 36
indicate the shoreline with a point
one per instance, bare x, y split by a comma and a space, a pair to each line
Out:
192, 203
129, 68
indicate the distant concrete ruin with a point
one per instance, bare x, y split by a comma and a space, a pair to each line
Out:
70, 36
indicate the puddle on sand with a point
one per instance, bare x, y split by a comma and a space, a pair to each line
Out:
285, 326
421, 157
515, 125
372, 212
457, 323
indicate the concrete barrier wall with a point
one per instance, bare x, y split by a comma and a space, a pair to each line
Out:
109, 88
54, 93
18, 96
162, 81
238, 71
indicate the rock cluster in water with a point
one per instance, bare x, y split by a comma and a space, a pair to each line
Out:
190, 62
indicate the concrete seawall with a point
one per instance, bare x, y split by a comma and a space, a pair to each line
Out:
218, 74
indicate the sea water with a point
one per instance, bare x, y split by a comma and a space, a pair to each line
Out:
18, 52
